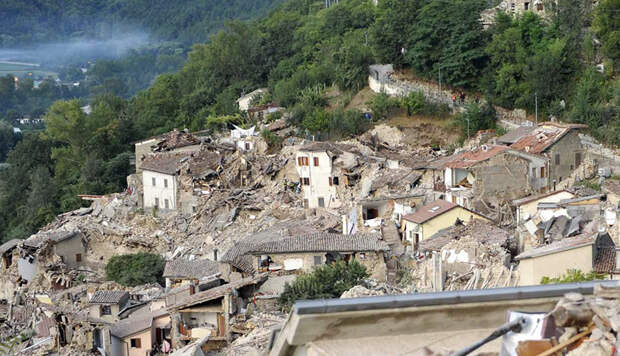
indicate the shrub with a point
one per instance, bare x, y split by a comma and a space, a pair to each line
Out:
477, 117
327, 281
572, 276
272, 139
135, 269
382, 106
415, 103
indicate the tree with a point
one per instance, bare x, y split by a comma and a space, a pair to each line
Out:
395, 22
327, 281
607, 26
449, 34
135, 269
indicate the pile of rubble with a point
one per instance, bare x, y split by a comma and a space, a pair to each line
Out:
258, 330
591, 324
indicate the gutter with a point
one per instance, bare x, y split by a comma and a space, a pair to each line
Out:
325, 306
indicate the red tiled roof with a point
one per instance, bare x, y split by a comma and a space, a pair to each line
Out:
470, 158
605, 261
544, 136
429, 211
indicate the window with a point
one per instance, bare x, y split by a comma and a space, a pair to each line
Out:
106, 310
306, 181
533, 172
303, 161
193, 209
78, 257
135, 343
526, 6
577, 159
539, 6
317, 260
316, 161
153, 181
306, 203
157, 202
321, 202
166, 204
335, 180
247, 146
165, 183
331, 181
542, 172
557, 158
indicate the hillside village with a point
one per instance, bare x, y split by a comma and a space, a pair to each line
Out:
236, 219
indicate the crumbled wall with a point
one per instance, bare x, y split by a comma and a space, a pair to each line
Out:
503, 176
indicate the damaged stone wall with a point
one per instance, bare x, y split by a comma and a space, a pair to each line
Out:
503, 177
567, 148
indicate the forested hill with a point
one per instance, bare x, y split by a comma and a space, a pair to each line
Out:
304, 52
24, 22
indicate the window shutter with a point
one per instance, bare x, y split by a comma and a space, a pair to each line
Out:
316, 161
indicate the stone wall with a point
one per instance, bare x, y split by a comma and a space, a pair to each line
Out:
397, 87
504, 176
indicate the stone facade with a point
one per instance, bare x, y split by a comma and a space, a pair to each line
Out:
564, 157
72, 251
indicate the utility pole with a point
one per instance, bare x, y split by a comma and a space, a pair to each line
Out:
536, 106
467, 128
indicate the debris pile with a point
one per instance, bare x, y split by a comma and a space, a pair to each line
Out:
255, 339
591, 324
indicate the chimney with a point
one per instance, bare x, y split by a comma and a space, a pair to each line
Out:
345, 225
192, 289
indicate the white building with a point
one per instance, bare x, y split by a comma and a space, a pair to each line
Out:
159, 179
245, 102
321, 167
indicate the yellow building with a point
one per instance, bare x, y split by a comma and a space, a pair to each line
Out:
430, 218
586, 252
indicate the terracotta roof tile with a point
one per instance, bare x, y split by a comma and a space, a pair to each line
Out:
514, 135
196, 269
166, 163
605, 261
217, 292
429, 211
545, 135
471, 158
107, 297
322, 242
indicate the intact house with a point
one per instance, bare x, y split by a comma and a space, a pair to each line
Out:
70, 246
302, 253
429, 219
209, 313
527, 207
557, 142
322, 168
143, 334
587, 252
107, 304
183, 271
491, 172
246, 102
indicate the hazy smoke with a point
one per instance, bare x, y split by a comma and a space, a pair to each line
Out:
76, 50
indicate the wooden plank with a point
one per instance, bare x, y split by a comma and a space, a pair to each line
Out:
566, 343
